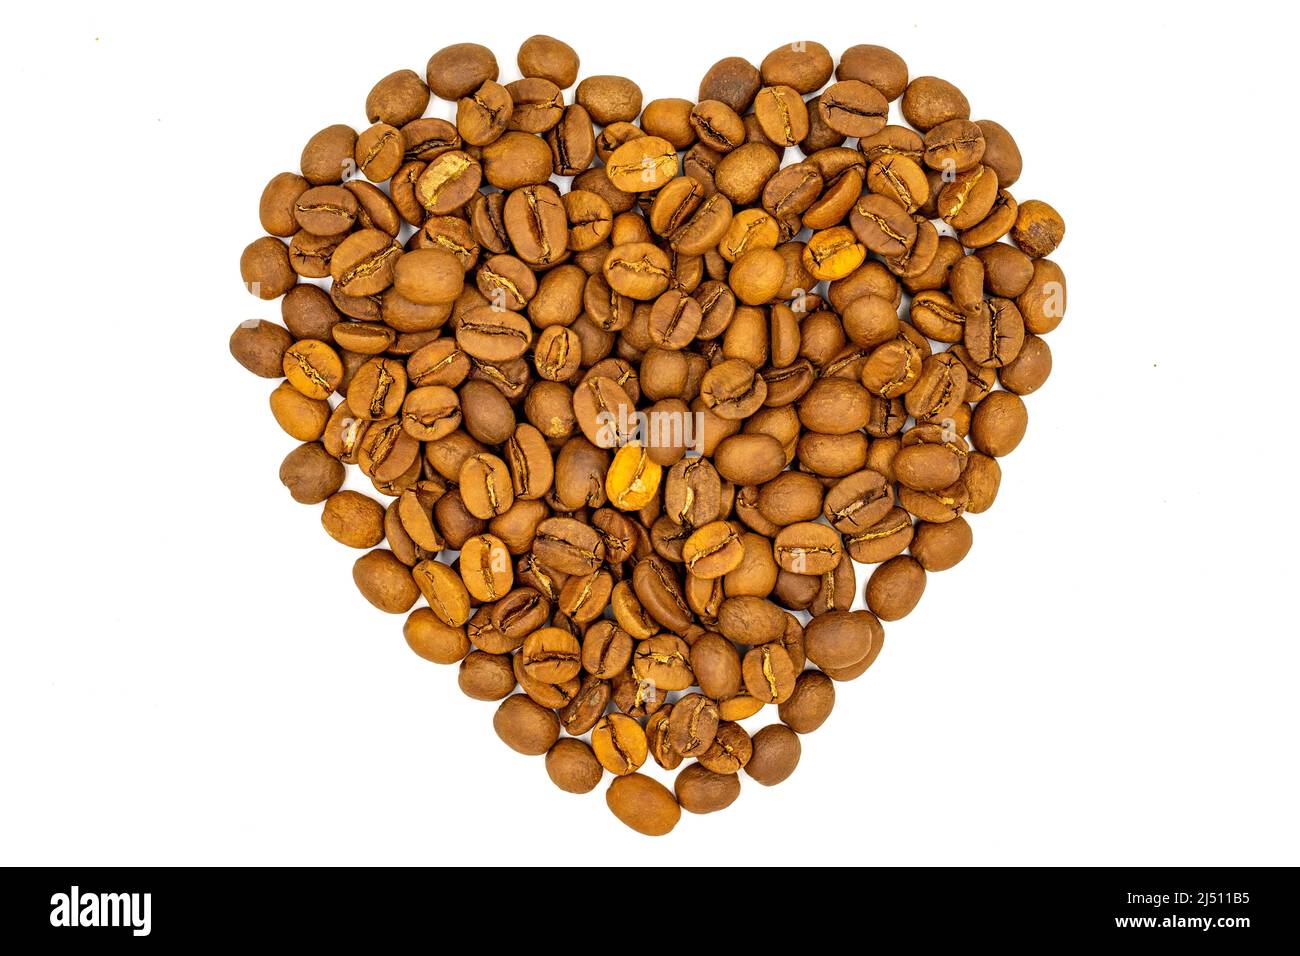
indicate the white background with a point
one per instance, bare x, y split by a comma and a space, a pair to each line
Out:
189, 676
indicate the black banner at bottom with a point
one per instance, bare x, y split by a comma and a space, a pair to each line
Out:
131, 907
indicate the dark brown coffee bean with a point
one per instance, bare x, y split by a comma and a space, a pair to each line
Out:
568, 546
883, 225
995, 333
700, 790
895, 588
929, 101
587, 707
311, 473
460, 69
1028, 371
810, 704
537, 224
733, 80
693, 725
1039, 228
484, 676
853, 108
397, 99
769, 674
328, 155
572, 766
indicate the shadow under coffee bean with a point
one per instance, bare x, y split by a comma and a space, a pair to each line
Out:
662, 413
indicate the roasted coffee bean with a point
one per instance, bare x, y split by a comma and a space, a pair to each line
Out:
1039, 228
551, 655
619, 743
587, 707
929, 101
776, 751
853, 108
525, 726
433, 640
807, 547
968, 198
878, 66
644, 804
572, 766
713, 550
485, 567
769, 674
664, 661
693, 725
700, 790
568, 546
311, 473
385, 582
883, 225
999, 423
609, 99
1028, 371
810, 704
730, 751
750, 620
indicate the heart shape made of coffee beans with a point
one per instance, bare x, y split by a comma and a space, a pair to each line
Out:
651, 382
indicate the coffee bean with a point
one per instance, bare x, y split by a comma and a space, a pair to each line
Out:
929, 101
311, 473
633, 479
750, 620
1039, 228
572, 766
619, 743
638, 270
644, 804
385, 582
853, 108
895, 588
568, 546
665, 661
485, 567
459, 69
693, 725
810, 704
700, 790
999, 423
433, 640
804, 65
878, 66
525, 726
713, 550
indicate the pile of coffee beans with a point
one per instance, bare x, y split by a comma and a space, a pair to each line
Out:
638, 385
